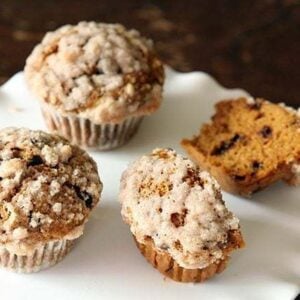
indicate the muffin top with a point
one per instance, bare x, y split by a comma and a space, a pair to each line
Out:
166, 198
97, 71
47, 188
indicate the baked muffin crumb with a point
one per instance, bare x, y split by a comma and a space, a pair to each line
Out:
249, 144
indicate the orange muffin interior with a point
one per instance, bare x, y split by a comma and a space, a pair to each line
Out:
251, 141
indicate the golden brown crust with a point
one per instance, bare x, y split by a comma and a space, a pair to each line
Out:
248, 146
162, 261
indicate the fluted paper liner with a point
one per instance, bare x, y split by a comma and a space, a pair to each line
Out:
43, 257
83, 132
163, 261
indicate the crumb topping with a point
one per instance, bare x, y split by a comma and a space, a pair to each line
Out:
47, 186
167, 198
99, 71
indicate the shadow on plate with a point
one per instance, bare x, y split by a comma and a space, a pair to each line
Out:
105, 247
280, 197
174, 121
269, 252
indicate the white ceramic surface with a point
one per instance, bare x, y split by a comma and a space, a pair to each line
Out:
105, 264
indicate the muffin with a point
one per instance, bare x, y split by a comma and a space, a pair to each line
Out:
248, 145
47, 191
95, 82
177, 216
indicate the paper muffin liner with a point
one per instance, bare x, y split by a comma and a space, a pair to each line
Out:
83, 132
162, 261
43, 257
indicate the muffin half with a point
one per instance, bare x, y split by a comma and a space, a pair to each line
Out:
95, 82
248, 145
47, 190
177, 216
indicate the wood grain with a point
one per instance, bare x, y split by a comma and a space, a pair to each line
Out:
250, 44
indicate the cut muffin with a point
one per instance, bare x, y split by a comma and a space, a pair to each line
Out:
177, 216
249, 145
95, 82
47, 191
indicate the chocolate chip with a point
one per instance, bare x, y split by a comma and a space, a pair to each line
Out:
35, 161
175, 219
256, 165
266, 131
239, 177
178, 219
259, 115
235, 138
118, 70
84, 196
226, 145
30, 215
192, 178
98, 71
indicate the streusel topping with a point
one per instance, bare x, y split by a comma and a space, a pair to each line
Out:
47, 187
98, 71
167, 198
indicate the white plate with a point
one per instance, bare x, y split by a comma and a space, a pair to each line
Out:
105, 264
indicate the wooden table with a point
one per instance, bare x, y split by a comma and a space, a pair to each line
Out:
254, 45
